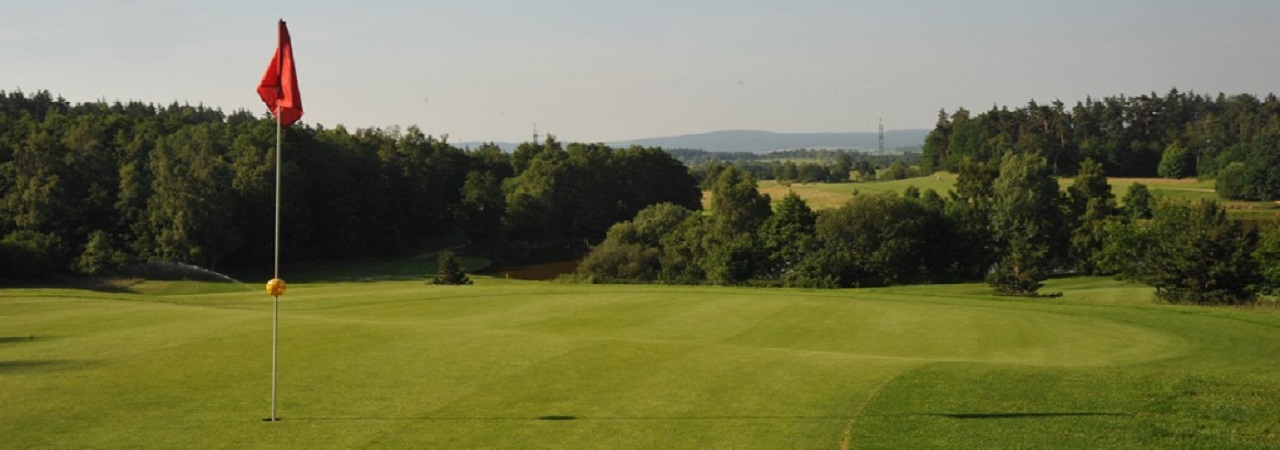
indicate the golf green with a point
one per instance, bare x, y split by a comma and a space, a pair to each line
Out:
507, 364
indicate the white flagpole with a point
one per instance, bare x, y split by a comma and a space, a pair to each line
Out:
275, 324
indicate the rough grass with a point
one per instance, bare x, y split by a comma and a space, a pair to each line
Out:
512, 364
833, 195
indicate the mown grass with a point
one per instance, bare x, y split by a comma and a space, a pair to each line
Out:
512, 364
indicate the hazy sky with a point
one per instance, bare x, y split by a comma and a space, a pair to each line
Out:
615, 70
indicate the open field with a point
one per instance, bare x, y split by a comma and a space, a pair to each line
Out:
513, 364
833, 195
822, 195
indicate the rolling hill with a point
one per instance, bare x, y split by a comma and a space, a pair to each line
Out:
764, 141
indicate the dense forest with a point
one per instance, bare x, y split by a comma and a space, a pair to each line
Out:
92, 187
1235, 139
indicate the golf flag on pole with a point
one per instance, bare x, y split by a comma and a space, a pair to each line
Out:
279, 90
279, 86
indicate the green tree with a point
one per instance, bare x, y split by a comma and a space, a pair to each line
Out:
963, 141
645, 176
812, 173
840, 170
101, 255
1138, 201
896, 171
872, 240
1176, 162
1267, 256
1189, 252
527, 152
583, 190
970, 210
252, 168
1092, 204
787, 236
1026, 219
62, 185
737, 206
787, 171
189, 214
632, 250
866, 170
615, 261
483, 205
935, 144
684, 251
32, 255
737, 210
1258, 179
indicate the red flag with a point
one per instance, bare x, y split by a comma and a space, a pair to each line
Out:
279, 86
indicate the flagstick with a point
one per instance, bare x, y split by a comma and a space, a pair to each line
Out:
275, 325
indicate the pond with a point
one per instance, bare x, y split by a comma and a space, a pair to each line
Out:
538, 271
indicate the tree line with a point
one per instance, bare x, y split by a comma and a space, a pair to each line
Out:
1234, 139
90, 187
1007, 223
802, 165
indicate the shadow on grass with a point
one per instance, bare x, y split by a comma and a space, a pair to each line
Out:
96, 284
38, 366
16, 339
566, 418
1026, 415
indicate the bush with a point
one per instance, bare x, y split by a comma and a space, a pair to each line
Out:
1176, 162
1267, 256
632, 250
450, 271
873, 240
1138, 200
1231, 182
31, 255
1191, 253
619, 262
101, 255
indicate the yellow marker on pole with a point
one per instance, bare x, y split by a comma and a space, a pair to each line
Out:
275, 287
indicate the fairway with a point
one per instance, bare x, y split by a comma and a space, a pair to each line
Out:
513, 364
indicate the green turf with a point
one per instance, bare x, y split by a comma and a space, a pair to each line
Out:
510, 364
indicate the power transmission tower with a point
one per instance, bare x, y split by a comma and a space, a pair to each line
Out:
882, 136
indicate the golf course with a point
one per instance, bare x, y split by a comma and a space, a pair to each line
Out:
393, 362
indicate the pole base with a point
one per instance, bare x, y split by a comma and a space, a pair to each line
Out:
272, 419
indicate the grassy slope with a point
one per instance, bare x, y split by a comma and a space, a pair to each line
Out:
398, 363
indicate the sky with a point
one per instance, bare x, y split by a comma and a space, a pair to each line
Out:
605, 70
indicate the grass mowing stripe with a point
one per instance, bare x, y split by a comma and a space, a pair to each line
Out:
846, 436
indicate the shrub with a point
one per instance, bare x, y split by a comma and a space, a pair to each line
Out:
450, 271
31, 255
1191, 253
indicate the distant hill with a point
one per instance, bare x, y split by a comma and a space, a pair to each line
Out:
765, 141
